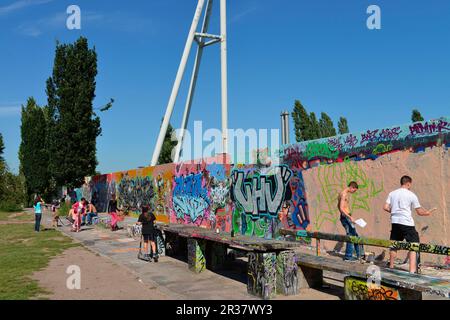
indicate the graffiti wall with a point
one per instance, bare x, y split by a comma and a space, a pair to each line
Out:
248, 199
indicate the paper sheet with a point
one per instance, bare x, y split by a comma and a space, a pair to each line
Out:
361, 223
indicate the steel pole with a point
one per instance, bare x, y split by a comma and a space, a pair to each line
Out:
176, 85
223, 60
190, 96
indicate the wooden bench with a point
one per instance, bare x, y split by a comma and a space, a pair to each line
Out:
395, 284
272, 265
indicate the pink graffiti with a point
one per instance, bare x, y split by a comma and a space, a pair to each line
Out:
336, 143
428, 128
369, 136
351, 140
390, 134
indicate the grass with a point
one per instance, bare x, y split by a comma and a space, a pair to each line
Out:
22, 252
16, 216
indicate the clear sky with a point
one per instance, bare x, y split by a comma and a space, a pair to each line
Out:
320, 52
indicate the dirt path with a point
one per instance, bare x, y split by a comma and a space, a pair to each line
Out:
101, 279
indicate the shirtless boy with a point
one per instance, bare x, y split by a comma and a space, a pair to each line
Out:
348, 221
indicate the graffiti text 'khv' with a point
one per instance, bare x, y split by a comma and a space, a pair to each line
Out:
261, 195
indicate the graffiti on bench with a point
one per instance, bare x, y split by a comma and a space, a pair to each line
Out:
356, 289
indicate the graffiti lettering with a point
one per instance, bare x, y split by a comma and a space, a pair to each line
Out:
429, 127
321, 150
369, 136
261, 195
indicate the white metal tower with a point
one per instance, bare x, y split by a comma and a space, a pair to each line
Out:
203, 39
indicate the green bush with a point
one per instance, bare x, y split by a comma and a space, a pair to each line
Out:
12, 195
64, 209
10, 206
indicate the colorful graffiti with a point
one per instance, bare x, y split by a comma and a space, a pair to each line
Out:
196, 255
262, 274
287, 268
134, 193
333, 179
261, 195
190, 198
357, 289
247, 199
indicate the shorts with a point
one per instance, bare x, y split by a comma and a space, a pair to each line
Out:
149, 236
400, 232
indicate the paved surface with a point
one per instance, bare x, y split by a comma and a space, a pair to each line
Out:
171, 276
101, 279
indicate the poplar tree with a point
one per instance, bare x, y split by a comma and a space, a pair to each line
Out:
416, 116
314, 129
326, 125
33, 153
343, 126
73, 125
302, 122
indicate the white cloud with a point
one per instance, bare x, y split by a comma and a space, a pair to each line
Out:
242, 14
115, 21
8, 111
20, 4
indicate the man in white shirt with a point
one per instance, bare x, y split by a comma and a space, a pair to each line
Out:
399, 204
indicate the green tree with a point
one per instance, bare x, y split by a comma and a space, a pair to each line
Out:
33, 154
314, 129
343, 126
326, 125
168, 145
2, 148
73, 125
416, 116
302, 122
11, 187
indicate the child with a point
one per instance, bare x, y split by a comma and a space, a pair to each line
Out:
147, 219
55, 215
78, 210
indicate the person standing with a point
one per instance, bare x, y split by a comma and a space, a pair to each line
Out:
38, 207
113, 211
399, 204
147, 220
348, 222
79, 208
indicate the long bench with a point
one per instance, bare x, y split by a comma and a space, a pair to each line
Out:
394, 284
272, 265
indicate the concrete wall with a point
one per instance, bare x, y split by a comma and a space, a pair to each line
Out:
430, 171
212, 193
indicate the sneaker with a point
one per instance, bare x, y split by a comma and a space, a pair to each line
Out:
352, 259
155, 258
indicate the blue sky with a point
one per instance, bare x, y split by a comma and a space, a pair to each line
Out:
320, 52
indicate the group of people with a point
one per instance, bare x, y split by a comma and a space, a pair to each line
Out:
82, 213
399, 205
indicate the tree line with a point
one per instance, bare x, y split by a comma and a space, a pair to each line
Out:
308, 127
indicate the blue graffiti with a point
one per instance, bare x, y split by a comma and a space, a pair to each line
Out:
190, 198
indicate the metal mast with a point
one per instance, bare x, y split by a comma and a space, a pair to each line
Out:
203, 39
